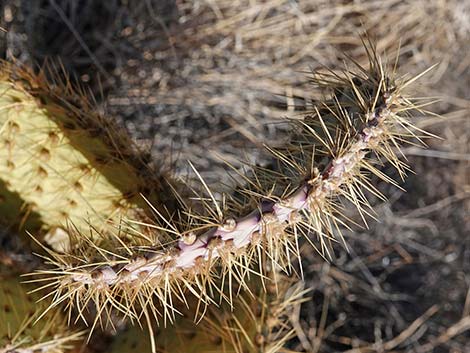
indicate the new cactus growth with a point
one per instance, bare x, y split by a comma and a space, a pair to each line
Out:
18, 331
365, 116
61, 163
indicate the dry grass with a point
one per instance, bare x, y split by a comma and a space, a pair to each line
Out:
204, 80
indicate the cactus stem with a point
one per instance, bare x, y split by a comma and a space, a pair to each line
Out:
371, 111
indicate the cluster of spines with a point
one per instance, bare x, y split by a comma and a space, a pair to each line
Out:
366, 114
258, 322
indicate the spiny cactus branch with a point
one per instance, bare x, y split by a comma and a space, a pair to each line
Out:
368, 113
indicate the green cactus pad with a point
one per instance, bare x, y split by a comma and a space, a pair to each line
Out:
18, 330
184, 337
62, 162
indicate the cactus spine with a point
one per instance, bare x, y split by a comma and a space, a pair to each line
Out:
257, 323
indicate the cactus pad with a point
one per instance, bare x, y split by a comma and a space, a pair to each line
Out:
61, 163
18, 331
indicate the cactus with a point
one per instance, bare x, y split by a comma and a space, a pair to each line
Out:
18, 331
366, 115
257, 323
63, 164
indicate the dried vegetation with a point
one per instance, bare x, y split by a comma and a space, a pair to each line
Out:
201, 80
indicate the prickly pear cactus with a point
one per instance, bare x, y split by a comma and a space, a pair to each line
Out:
18, 331
61, 163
